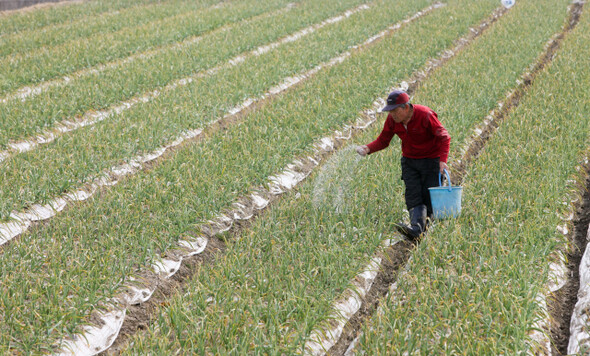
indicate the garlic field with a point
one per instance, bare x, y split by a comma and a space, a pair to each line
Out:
179, 177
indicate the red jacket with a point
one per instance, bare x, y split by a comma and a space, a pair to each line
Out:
425, 136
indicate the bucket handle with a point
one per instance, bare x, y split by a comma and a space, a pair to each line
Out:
448, 179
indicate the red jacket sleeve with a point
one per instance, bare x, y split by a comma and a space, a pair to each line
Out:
384, 137
442, 136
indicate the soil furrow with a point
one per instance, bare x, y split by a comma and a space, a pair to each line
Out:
398, 254
561, 303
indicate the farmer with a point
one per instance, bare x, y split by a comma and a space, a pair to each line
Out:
425, 149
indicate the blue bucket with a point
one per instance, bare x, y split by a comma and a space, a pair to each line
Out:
446, 200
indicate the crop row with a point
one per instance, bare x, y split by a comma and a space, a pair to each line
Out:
475, 280
14, 22
111, 21
256, 271
356, 304
42, 64
38, 212
251, 140
243, 209
152, 211
112, 86
142, 128
304, 251
28, 92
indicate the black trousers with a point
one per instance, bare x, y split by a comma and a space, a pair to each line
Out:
419, 175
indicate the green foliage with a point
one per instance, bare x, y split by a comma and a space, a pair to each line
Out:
471, 283
147, 214
475, 280
73, 159
43, 64
112, 20
123, 80
30, 19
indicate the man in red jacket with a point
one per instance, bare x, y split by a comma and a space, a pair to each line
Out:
425, 149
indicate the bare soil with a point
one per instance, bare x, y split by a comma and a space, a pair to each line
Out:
561, 303
139, 316
395, 257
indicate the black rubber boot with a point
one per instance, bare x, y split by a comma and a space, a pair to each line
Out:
417, 223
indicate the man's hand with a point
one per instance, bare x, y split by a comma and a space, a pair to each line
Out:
362, 150
442, 166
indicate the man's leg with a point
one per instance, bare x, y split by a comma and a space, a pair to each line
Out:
412, 177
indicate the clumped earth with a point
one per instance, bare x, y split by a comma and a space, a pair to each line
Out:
563, 301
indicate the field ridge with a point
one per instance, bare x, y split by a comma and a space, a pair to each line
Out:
30, 15
245, 222
93, 117
222, 226
567, 306
39, 65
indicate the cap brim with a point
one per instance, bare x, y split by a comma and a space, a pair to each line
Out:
391, 107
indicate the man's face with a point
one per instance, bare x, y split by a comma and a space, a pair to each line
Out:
399, 114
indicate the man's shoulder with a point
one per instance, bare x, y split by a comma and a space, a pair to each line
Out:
424, 115
423, 110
